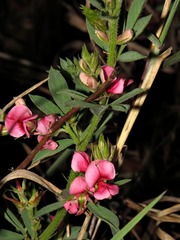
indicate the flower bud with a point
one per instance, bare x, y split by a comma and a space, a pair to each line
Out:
102, 36
84, 66
125, 37
88, 80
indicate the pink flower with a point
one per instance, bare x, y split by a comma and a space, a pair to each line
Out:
50, 144
78, 185
80, 161
72, 206
44, 124
20, 121
118, 83
77, 205
96, 175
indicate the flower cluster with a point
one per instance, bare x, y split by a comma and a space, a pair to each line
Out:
117, 85
20, 121
92, 182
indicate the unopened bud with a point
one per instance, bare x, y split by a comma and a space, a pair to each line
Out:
125, 37
84, 66
102, 36
88, 80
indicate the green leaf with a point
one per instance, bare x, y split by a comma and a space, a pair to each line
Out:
63, 144
121, 108
131, 56
127, 96
140, 25
95, 108
122, 182
128, 227
7, 235
28, 223
56, 83
45, 105
10, 217
152, 38
49, 208
51, 228
134, 12
91, 31
74, 94
175, 58
105, 215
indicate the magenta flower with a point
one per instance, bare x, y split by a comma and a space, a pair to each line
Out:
77, 205
20, 121
118, 83
78, 185
80, 161
44, 124
49, 144
96, 175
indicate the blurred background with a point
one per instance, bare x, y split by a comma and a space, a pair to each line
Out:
35, 34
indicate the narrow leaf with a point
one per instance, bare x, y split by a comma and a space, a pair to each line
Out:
105, 215
91, 31
127, 96
49, 208
131, 56
128, 227
7, 235
141, 24
28, 223
134, 12
10, 217
122, 182
175, 58
56, 83
45, 105
121, 107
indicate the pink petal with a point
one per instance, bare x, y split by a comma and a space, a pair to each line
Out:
80, 161
49, 144
78, 185
45, 123
71, 206
97, 170
18, 119
116, 87
105, 190
106, 72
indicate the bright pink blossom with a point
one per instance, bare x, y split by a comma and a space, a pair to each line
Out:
118, 83
20, 121
80, 161
44, 124
49, 144
78, 185
77, 205
96, 175
72, 206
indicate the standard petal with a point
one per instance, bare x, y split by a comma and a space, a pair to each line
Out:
78, 185
80, 161
92, 174
106, 169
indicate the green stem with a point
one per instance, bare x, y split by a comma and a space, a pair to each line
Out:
113, 31
49, 231
91, 129
169, 21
